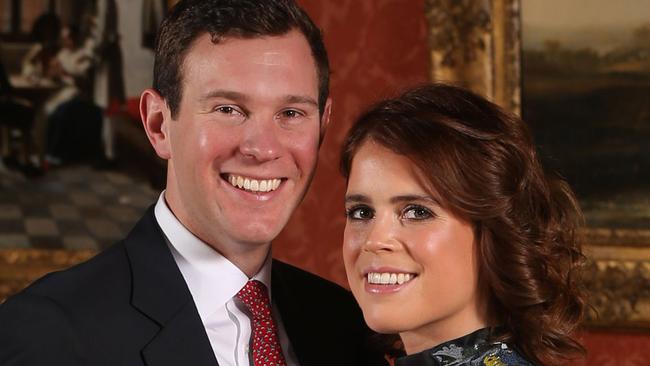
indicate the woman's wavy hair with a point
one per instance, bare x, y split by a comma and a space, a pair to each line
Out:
482, 164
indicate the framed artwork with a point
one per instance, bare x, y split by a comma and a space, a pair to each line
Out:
582, 82
586, 94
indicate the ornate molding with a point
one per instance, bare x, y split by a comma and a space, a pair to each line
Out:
477, 44
617, 278
458, 30
621, 237
19, 267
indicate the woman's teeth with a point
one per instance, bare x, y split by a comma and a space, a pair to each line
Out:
254, 185
389, 278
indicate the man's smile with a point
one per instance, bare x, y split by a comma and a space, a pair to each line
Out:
252, 184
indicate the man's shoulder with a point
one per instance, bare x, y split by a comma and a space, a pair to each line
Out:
109, 273
50, 319
306, 290
307, 281
307, 302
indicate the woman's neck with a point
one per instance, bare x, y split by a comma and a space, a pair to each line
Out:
444, 330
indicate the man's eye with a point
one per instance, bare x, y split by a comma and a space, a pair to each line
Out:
226, 109
360, 213
417, 213
290, 113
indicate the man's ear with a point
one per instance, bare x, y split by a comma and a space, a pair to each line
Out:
325, 119
156, 117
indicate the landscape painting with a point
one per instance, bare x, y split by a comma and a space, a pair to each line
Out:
586, 95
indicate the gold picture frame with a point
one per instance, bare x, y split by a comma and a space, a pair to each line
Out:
477, 44
20, 267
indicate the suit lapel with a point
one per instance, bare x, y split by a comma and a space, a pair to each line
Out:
294, 317
161, 294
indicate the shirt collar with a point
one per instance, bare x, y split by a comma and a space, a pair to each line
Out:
212, 279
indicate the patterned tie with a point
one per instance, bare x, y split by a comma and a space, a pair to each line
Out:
266, 343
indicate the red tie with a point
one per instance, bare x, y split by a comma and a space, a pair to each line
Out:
266, 343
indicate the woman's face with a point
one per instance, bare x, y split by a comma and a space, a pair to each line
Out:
410, 263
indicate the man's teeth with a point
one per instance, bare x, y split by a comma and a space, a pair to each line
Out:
254, 185
389, 278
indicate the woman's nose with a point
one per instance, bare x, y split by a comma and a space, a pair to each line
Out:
381, 236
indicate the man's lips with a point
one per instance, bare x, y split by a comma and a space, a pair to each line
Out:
261, 185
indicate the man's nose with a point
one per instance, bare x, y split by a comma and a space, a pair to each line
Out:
261, 140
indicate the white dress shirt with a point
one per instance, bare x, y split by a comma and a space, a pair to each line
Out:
213, 282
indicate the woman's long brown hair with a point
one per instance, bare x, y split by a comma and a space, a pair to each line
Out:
482, 164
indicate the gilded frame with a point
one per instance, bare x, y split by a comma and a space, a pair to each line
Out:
20, 267
477, 44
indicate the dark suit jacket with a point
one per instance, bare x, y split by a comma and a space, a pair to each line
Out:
129, 305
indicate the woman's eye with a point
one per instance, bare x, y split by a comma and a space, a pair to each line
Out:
360, 213
417, 213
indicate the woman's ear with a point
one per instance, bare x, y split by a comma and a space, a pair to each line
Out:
155, 116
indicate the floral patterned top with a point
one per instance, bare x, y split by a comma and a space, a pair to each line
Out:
471, 350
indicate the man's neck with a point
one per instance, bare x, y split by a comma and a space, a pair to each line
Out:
249, 259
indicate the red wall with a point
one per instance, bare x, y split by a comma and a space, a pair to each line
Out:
377, 48
615, 349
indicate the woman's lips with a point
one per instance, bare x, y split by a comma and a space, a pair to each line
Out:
387, 281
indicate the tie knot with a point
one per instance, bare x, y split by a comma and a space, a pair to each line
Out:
256, 298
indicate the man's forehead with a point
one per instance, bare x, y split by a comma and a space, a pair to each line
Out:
270, 58
269, 50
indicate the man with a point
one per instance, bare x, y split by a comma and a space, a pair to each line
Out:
239, 107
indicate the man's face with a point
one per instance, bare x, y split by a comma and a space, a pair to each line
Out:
244, 145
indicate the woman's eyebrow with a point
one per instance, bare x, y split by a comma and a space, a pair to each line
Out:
413, 197
356, 198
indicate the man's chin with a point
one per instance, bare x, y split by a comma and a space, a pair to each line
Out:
257, 236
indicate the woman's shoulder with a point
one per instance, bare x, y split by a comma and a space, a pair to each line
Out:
472, 349
498, 354
487, 354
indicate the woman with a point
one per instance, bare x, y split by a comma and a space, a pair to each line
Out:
456, 239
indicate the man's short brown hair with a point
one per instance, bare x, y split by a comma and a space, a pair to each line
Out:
189, 19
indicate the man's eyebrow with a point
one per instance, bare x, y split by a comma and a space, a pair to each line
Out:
233, 95
227, 94
301, 99
356, 198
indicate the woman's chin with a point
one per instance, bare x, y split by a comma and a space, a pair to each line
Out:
383, 325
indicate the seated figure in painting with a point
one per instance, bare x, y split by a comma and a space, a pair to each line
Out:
456, 239
74, 121
15, 114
